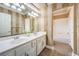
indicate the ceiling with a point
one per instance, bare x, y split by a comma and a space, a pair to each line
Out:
56, 6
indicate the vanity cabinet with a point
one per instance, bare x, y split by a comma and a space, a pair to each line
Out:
8, 53
28, 49
31, 48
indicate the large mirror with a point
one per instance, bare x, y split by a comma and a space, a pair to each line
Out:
5, 24
13, 22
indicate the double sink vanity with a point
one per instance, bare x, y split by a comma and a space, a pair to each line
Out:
23, 45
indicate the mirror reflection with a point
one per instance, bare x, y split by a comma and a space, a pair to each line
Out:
17, 18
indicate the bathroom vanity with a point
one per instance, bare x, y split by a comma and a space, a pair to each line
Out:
24, 45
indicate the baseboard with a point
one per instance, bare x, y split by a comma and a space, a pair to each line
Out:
73, 54
49, 47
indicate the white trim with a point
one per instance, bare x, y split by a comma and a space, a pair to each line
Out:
73, 54
50, 47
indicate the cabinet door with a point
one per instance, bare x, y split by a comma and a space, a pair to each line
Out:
9, 53
20, 51
31, 48
27, 48
39, 45
44, 42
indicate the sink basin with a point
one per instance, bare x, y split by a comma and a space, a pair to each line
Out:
5, 43
19, 40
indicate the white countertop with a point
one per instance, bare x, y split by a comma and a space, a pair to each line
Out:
11, 43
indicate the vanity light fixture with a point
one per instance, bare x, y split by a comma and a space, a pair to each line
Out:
35, 14
19, 9
31, 14
17, 4
22, 6
13, 6
31, 6
7, 4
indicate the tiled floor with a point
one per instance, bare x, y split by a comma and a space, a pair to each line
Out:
60, 49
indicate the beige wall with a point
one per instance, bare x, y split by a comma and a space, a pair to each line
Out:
49, 25
42, 18
77, 28
72, 27
45, 22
